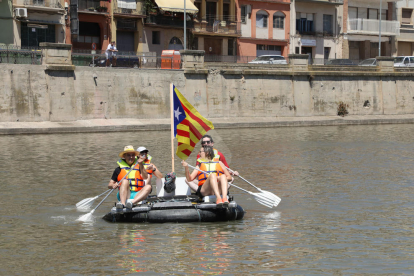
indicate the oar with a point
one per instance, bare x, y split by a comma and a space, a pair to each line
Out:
262, 198
275, 197
88, 202
88, 216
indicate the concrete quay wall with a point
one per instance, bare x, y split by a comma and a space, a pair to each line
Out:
37, 93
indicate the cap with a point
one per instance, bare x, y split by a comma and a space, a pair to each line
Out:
142, 149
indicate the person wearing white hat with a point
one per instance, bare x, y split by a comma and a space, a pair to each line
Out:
136, 184
151, 168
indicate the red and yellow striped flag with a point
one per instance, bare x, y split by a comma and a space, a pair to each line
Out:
189, 125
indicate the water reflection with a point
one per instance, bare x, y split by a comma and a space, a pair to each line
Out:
346, 205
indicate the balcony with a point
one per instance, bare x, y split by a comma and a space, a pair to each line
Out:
122, 12
371, 27
334, 2
217, 25
90, 6
51, 5
170, 21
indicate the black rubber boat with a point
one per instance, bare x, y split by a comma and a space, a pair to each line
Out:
176, 209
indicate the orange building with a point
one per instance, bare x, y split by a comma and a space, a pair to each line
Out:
94, 25
265, 27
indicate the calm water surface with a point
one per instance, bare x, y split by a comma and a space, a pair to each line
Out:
347, 206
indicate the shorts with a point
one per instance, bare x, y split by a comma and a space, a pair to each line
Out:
133, 194
110, 54
198, 192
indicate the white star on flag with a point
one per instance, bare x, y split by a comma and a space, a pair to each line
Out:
177, 113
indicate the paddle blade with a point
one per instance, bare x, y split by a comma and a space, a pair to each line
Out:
87, 217
274, 197
86, 204
264, 199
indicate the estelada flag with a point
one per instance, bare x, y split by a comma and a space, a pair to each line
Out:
189, 125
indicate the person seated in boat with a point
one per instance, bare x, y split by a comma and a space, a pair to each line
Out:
214, 181
149, 167
207, 140
136, 185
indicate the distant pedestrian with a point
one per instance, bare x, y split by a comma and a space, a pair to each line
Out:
110, 53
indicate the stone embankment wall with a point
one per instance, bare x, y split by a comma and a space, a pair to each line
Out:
60, 93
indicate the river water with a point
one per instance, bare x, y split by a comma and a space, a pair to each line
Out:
347, 205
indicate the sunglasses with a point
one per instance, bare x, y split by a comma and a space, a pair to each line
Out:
205, 142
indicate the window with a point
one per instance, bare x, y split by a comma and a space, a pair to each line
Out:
327, 24
406, 16
296, 50
261, 19
156, 37
304, 23
279, 20
243, 14
373, 14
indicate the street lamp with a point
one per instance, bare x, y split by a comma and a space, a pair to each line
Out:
185, 28
379, 46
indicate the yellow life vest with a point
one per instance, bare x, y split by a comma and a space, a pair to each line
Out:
136, 182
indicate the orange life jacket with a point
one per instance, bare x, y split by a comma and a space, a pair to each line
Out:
209, 167
136, 182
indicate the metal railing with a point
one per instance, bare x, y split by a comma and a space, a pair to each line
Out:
137, 11
240, 59
218, 26
40, 3
167, 21
371, 26
124, 59
94, 6
18, 55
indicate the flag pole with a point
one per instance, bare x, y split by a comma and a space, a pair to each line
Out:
172, 124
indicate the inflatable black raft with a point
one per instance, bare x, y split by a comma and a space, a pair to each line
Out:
176, 209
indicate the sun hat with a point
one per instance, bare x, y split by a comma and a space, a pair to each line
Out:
128, 149
142, 149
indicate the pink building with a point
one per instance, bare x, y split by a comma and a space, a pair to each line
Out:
265, 27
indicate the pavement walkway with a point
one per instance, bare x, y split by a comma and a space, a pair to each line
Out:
105, 125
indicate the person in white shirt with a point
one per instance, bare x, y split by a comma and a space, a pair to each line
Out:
111, 53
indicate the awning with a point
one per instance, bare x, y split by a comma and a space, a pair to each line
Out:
176, 6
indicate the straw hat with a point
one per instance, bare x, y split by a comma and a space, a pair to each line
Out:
128, 149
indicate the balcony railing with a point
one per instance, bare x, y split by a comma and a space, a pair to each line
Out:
57, 4
123, 11
225, 25
168, 21
94, 6
371, 26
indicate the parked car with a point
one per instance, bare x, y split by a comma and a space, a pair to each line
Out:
346, 62
368, 62
269, 59
407, 61
121, 61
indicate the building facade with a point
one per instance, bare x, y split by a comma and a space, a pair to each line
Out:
127, 24
316, 29
94, 19
216, 28
26, 23
405, 17
265, 27
361, 34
